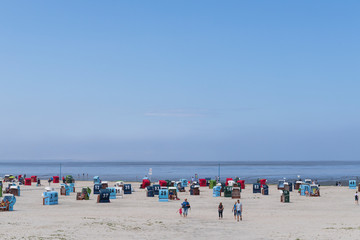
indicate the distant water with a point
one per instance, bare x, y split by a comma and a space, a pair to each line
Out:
324, 171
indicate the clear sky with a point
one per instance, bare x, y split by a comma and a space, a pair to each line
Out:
180, 80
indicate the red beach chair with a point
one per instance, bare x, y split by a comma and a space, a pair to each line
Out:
33, 178
27, 181
227, 180
162, 183
241, 184
202, 182
262, 182
56, 179
145, 183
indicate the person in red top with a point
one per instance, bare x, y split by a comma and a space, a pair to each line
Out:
63, 178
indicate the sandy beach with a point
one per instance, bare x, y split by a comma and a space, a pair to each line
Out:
331, 216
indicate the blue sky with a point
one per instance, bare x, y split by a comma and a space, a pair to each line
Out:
179, 80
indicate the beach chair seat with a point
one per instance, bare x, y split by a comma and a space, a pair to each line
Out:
127, 189
285, 196
97, 188
145, 183
104, 196
64, 189
196, 190
184, 182
162, 183
241, 183
228, 191
149, 191
97, 180
156, 188
56, 179
227, 180
236, 193
112, 192
9, 201
163, 195
212, 184
27, 182
262, 182
69, 179
119, 192
172, 193
216, 191
72, 187
314, 191
50, 198
265, 190
256, 188
352, 184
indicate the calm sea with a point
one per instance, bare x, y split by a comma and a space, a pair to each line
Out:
323, 171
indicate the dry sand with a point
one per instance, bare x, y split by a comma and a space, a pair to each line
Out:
331, 216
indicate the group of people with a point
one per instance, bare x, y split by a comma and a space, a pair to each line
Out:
4, 205
237, 209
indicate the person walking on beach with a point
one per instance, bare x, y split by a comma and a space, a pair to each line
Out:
356, 198
220, 210
185, 206
234, 210
238, 210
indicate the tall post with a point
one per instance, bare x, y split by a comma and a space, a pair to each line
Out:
219, 172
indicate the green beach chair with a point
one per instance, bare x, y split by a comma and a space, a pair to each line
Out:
228, 191
69, 179
286, 196
212, 184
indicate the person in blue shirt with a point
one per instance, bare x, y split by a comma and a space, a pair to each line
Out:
234, 210
185, 206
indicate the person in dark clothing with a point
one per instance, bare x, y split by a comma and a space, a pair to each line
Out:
220, 210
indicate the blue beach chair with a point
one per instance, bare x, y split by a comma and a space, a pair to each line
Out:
97, 188
156, 188
163, 195
97, 180
352, 184
127, 188
216, 191
104, 196
112, 192
12, 201
50, 198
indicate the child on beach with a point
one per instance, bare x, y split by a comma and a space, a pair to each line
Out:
180, 211
234, 210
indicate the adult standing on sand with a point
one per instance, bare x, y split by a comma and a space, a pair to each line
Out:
239, 210
185, 206
356, 198
220, 210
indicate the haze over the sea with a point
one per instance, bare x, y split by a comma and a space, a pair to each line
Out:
179, 81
